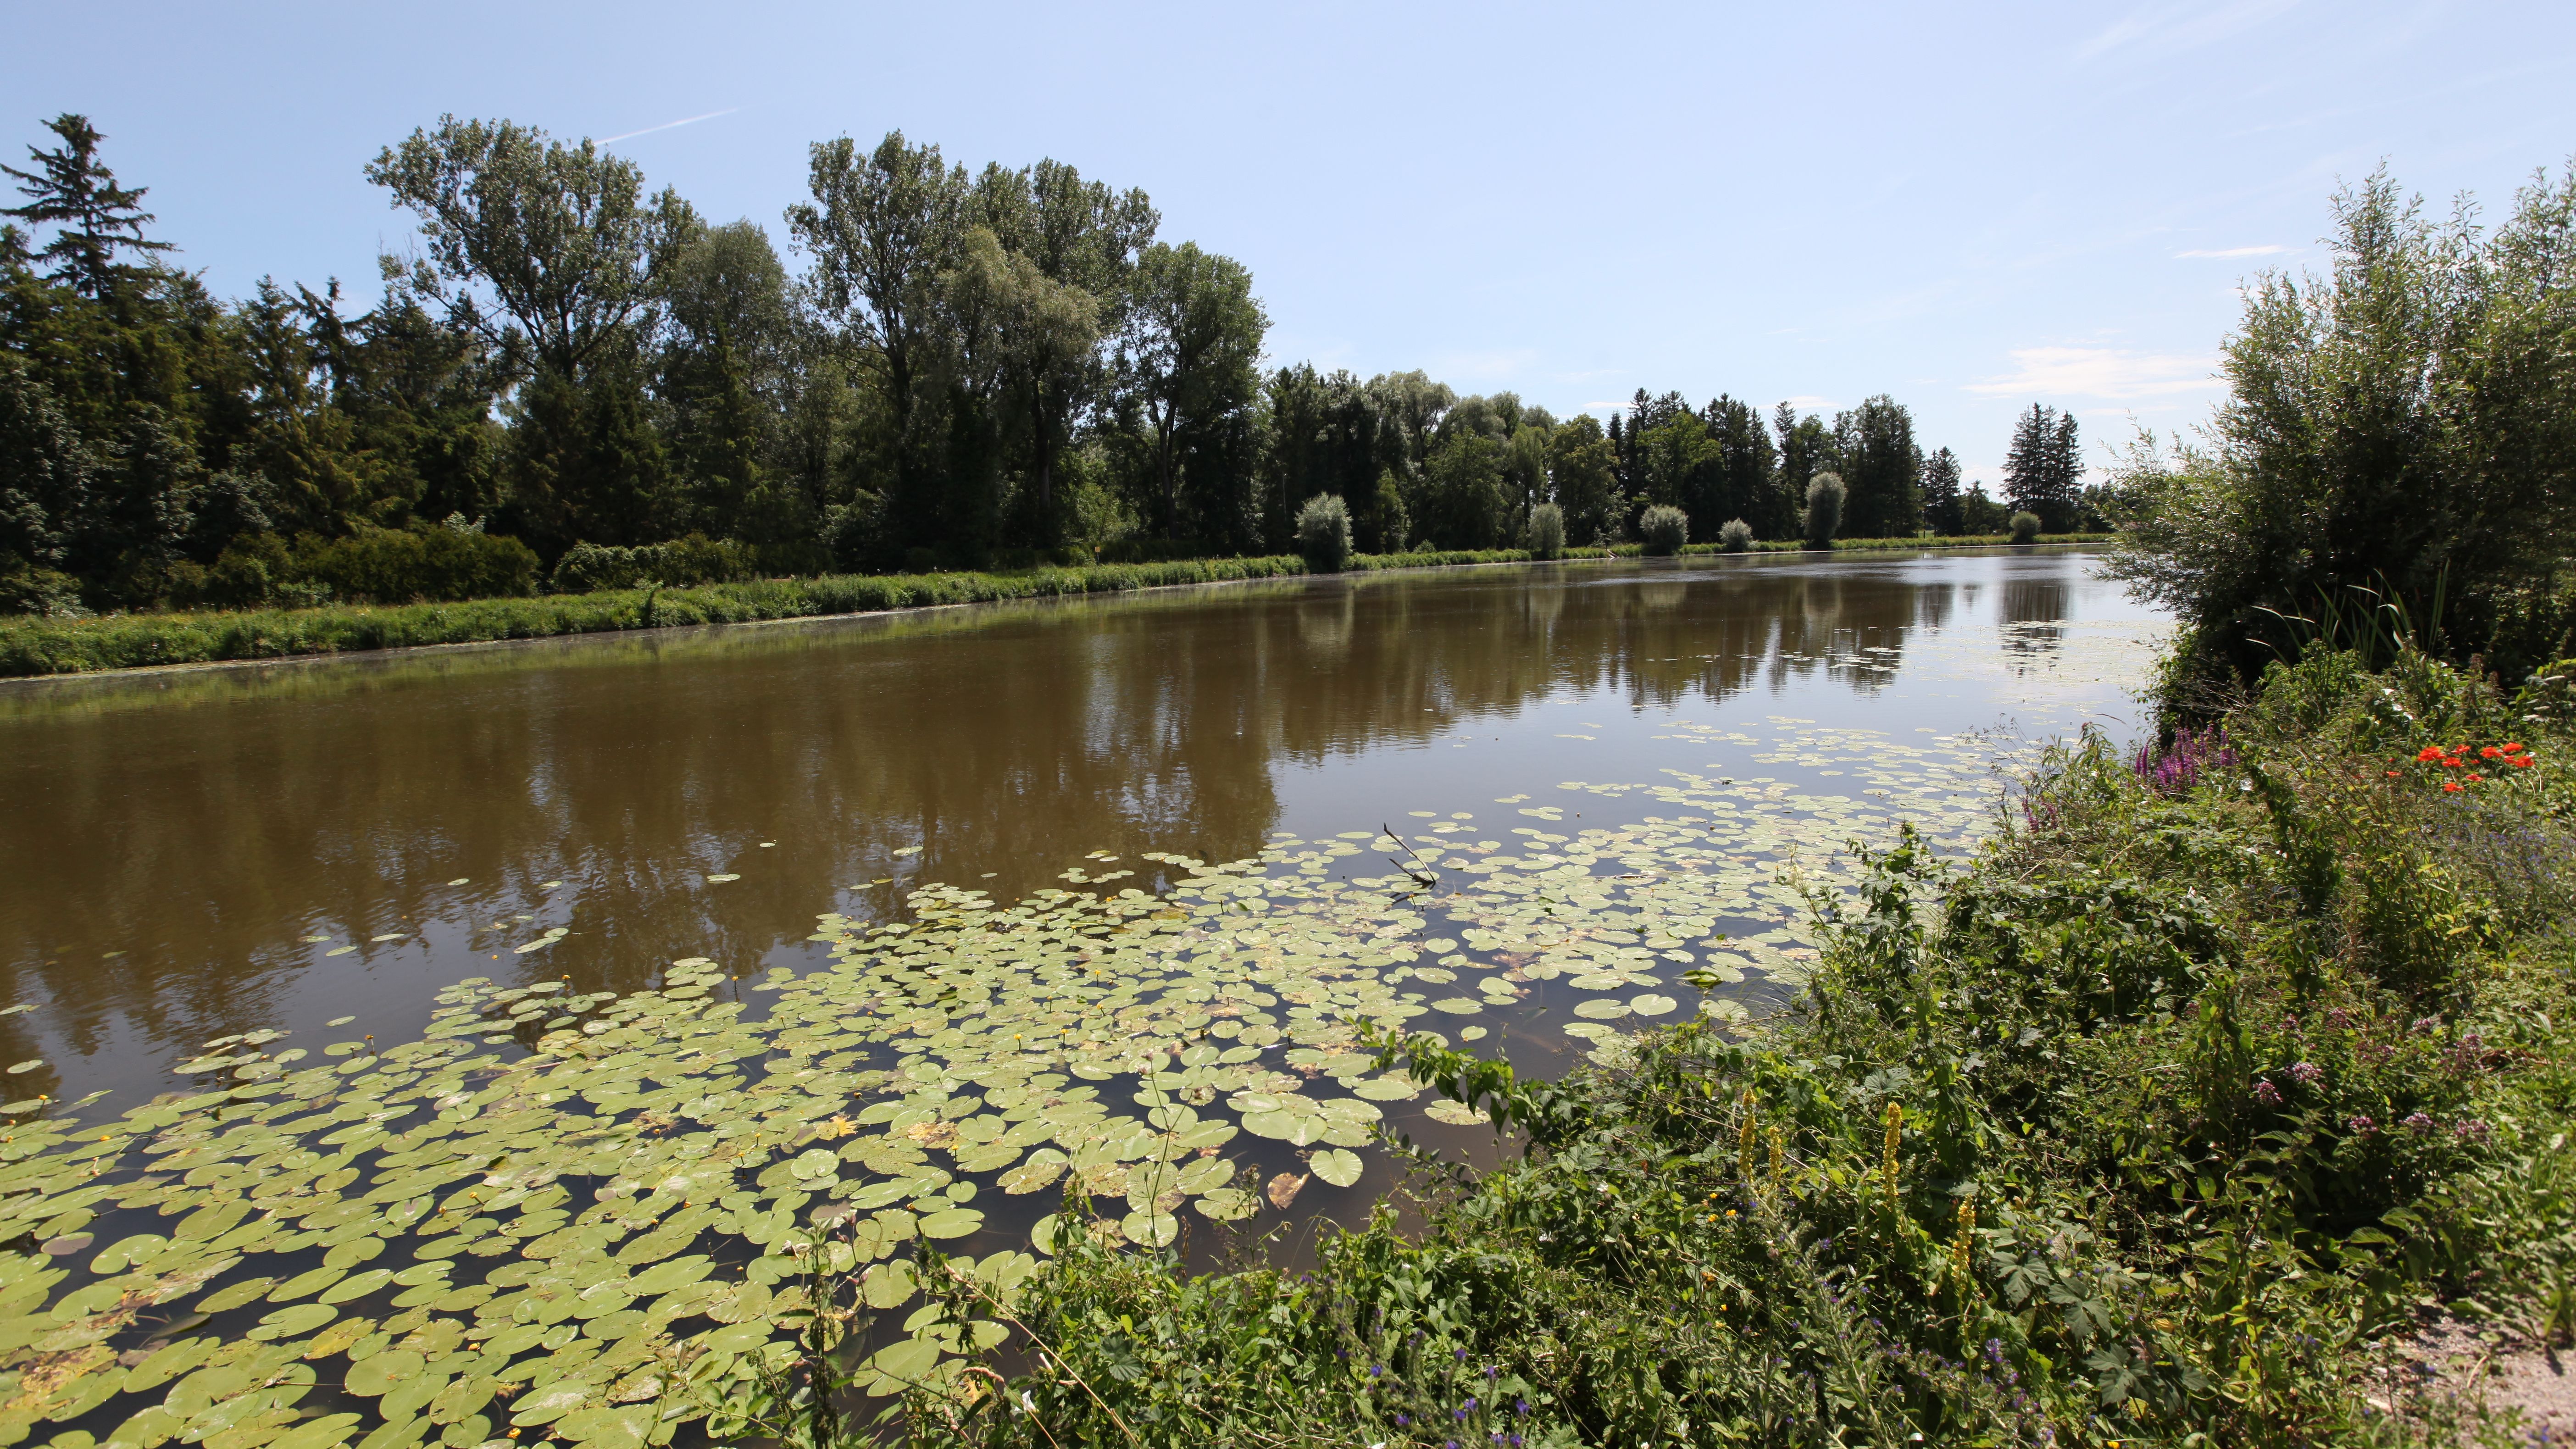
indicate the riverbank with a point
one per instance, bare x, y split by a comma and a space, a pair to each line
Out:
35, 646
2167, 1120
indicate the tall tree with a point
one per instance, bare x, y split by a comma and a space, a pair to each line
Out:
2044, 467
1188, 357
74, 192
1943, 504
556, 257
1584, 473
1882, 467
883, 227
1805, 450
1744, 483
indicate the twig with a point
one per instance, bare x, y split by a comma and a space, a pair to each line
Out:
1420, 879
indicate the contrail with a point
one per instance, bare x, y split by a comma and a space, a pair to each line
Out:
667, 125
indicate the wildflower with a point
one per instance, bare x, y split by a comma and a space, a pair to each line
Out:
2266, 1093
2428, 754
2512, 747
2522, 762
1521, 1407
2419, 1124
2476, 779
2305, 1073
2489, 752
2471, 1130
2453, 786
2392, 774
2361, 1126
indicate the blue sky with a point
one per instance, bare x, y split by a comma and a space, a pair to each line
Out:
1970, 208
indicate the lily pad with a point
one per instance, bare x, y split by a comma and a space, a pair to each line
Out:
1336, 1165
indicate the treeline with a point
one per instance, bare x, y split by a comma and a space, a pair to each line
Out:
968, 369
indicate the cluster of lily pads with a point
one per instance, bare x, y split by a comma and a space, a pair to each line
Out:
535, 1220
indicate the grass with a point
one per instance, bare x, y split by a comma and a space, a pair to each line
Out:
32, 646
2161, 1121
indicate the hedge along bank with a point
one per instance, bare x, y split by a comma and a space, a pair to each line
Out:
36, 646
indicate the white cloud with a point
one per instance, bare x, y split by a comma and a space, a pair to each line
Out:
2169, 30
2261, 251
2105, 372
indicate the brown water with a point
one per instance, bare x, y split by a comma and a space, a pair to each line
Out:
190, 854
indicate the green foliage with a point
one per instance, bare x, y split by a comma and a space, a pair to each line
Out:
2044, 467
1665, 529
2146, 1125
1824, 513
2398, 425
1735, 537
1324, 534
2025, 527
682, 563
1546, 531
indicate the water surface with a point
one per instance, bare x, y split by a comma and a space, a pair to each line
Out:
197, 853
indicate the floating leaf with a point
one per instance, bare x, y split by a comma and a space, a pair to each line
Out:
1336, 1165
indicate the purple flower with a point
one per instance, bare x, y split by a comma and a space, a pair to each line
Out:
2266, 1093
2305, 1074
2339, 1019
2419, 1124
2428, 1023
2361, 1126
2471, 1130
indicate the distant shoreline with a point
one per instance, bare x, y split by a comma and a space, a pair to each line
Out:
37, 648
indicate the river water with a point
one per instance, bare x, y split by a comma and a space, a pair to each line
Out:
478, 1027
192, 854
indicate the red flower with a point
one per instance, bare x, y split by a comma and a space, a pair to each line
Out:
2447, 763
2489, 753
2512, 748
2524, 762
2428, 754
2392, 774
2473, 779
2451, 785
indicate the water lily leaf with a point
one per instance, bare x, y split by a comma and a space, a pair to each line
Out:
294, 1321
1458, 1005
1456, 1114
902, 1365
1032, 1175
952, 1223
1152, 1227
543, 1406
357, 1285
735, 1338
1337, 1166
1651, 1005
1601, 1008
888, 1285
1225, 1204
377, 1375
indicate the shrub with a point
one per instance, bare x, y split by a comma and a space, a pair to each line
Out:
680, 563
389, 566
1324, 534
1546, 531
1824, 515
1664, 528
2025, 527
1736, 537
40, 591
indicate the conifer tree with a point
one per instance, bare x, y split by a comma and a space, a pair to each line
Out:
73, 191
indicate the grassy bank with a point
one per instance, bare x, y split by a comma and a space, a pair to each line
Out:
2155, 1123
47, 646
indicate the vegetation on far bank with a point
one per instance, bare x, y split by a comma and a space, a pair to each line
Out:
51, 646
976, 370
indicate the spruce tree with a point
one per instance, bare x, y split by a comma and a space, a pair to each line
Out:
72, 190
2043, 467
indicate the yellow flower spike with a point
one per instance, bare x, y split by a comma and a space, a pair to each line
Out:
1778, 1151
1887, 1159
1744, 1133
